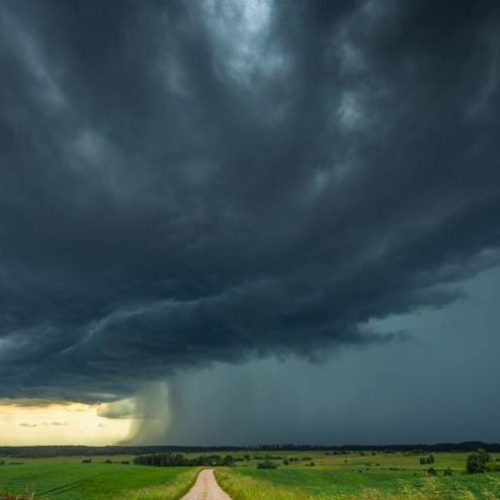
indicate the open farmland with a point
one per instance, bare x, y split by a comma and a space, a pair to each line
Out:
69, 478
361, 475
299, 475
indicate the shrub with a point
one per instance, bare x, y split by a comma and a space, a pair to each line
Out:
427, 460
431, 471
267, 464
448, 472
477, 462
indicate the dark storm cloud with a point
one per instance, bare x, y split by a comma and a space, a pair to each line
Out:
184, 182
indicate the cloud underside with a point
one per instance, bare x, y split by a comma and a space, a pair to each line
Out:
189, 182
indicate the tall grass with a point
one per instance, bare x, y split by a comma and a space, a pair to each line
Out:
173, 491
8, 496
242, 487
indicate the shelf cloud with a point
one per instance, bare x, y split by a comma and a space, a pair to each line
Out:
184, 183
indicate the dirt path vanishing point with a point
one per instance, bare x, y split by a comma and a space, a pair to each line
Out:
206, 488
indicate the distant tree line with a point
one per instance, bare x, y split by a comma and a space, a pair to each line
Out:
466, 446
178, 460
416, 449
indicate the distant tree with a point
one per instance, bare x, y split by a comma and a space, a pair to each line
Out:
477, 462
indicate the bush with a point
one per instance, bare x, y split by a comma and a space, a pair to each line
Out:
266, 464
431, 471
448, 472
427, 460
478, 462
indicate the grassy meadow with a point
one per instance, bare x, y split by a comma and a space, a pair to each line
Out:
356, 476
313, 475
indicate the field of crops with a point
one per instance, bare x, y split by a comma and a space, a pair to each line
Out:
71, 479
298, 476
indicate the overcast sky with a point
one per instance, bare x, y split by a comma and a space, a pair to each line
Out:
288, 212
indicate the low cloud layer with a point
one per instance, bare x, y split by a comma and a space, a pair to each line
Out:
189, 182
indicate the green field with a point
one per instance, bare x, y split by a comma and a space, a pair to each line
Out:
361, 475
354, 475
69, 478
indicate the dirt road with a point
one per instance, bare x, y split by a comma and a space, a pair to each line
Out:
206, 488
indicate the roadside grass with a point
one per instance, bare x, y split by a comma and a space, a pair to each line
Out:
301, 484
178, 489
240, 487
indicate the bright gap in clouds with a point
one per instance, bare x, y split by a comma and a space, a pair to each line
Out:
141, 419
62, 423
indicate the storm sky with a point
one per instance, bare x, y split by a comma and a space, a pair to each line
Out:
281, 216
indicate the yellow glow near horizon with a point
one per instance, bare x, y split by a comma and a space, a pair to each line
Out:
61, 423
